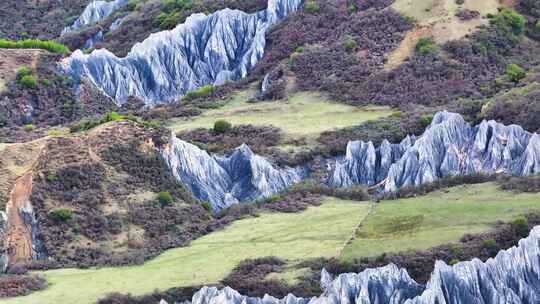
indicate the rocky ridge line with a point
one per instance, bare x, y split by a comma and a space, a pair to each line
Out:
448, 147
226, 180
204, 50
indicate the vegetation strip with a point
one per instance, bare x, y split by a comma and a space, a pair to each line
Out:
48, 45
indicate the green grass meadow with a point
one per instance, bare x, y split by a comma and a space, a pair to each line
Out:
304, 114
437, 218
318, 232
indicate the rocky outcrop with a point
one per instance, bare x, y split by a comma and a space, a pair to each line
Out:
448, 147
204, 50
95, 12
226, 180
4, 255
512, 277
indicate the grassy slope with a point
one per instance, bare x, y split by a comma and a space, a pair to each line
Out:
304, 114
437, 18
317, 232
437, 218
441, 15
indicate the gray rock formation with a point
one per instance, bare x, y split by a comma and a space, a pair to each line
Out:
448, 147
28, 216
512, 277
204, 50
4, 256
95, 12
90, 42
225, 180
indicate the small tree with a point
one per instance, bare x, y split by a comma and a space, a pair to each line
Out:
222, 126
350, 43
165, 198
207, 206
29, 127
312, 7
521, 226
425, 46
24, 71
491, 247
515, 73
61, 214
28, 82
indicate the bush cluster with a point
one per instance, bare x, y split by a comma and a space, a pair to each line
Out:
86, 125
174, 12
222, 126
61, 214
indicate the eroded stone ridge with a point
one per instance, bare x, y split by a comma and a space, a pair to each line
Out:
204, 50
512, 277
448, 147
94, 12
226, 180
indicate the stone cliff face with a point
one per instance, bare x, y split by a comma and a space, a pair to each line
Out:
4, 255
204, 50
512, 277
95, 12
227, 180
448, 147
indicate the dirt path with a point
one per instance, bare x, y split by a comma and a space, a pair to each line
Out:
406, 48
19, 240
355, 230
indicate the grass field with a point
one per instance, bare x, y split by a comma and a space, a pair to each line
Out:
318, 232
304, 114
437, 218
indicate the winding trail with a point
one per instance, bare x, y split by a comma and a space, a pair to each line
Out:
355, 230
19, 233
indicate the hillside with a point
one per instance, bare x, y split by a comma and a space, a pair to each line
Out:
213, 150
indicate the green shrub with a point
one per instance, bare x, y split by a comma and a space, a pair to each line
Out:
491, 246
28, 82
24, 71
515, 73
312, 7
222, 126
509, 22
453, 262
61, 214
521, 226
202, 91
352, 8
207, 206
350, 43
46, 82
165, 198
50, 46
537, 27
3, 120
426, 45
29, 127
426, 120
456, 250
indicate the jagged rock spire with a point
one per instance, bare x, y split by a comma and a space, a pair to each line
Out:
94, 12
204, 50
448, 147
512, 277
227, 180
